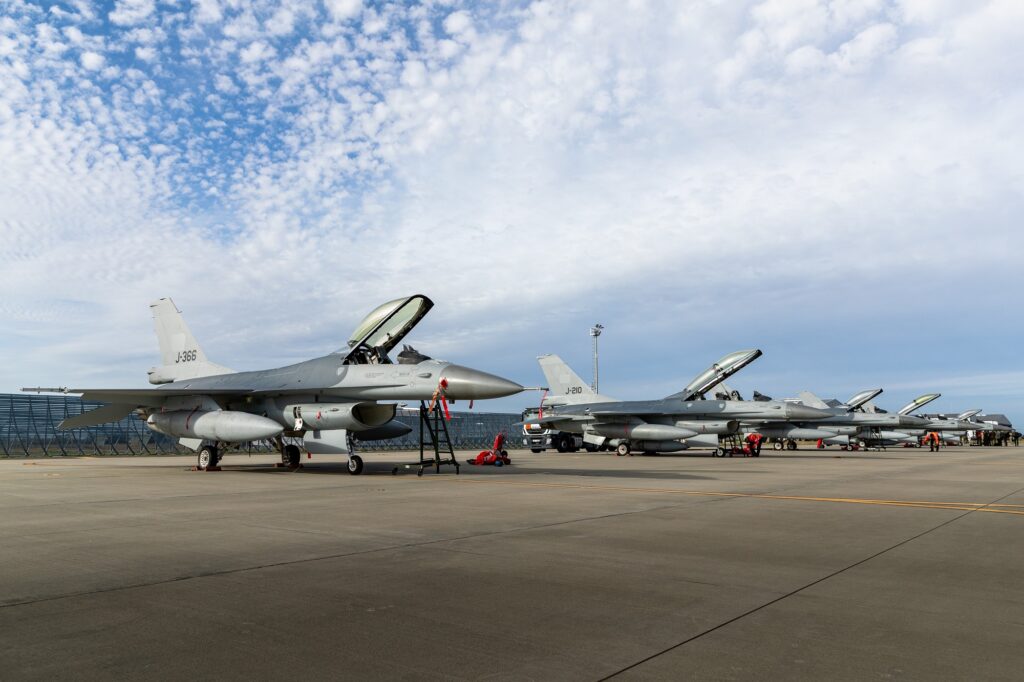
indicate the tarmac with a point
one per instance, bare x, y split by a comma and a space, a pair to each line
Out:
900, 564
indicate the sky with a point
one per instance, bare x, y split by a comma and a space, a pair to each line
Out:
836, 182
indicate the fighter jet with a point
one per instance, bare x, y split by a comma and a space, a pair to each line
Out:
960, 423
844, 421
674, 423
324, 401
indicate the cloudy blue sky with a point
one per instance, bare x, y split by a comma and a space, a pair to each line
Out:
836, 182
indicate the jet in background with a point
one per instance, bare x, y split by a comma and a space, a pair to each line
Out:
324, 401
674, 423
847, 423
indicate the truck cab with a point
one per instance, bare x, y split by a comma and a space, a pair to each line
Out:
539, 439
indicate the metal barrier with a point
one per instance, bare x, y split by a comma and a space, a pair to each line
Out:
28, 428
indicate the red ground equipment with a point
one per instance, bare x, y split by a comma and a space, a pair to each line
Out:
497, 455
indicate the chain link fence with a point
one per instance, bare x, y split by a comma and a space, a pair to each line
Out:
28, 428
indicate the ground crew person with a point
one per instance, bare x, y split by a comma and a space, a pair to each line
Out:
933, 441
754, 444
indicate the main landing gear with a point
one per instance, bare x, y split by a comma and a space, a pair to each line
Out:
209, 457
622, 450
355, 465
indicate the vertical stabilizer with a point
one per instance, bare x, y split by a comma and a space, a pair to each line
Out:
181, 356
564, 385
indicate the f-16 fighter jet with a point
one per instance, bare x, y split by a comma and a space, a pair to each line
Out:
674, 423
855, 419
323, 401
957, 425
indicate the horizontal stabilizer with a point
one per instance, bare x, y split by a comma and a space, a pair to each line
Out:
101, 415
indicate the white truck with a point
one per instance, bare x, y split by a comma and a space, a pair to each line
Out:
539, 439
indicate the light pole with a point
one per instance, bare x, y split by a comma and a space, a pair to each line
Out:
595, 332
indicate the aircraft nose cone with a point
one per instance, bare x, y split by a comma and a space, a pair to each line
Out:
797, 412
472, 384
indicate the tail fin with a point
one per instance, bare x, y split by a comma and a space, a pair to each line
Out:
565, 386
181, 356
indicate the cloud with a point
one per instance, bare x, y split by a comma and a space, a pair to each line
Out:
457, 23
132, 12
92, 61
682, 171
343, 9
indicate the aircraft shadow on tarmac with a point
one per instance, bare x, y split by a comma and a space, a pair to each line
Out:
387, 469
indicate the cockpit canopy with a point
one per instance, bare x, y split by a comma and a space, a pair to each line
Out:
384, 328
860, 398
716, 374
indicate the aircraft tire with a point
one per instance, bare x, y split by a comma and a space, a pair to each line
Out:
291, 456
791, 445
355, 465
777, 445
208, 457
535, 450
590, 447
622, 450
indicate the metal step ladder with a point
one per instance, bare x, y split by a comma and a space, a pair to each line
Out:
434, 425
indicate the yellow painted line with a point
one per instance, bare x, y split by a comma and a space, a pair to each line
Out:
955, 506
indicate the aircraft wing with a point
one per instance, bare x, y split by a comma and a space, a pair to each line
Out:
634, 412
553, 421
155, 397
101, 415
141, 397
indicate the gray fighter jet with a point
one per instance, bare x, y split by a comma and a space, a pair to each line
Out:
324, 401
674, 423
846, 423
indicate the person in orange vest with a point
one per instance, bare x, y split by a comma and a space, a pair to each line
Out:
933, 441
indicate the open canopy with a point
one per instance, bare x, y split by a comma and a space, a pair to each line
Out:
859, 399
716, 374
384, 328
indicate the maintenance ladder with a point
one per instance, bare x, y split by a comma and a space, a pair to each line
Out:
434, 424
